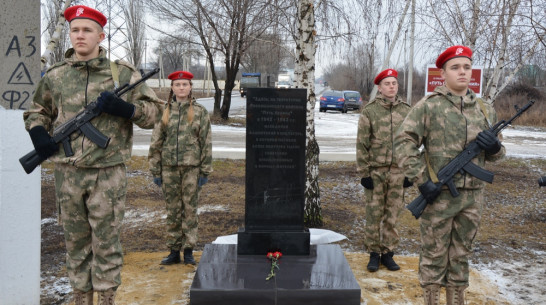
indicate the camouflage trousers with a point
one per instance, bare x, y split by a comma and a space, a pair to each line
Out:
448, 228
91, 203
181, 195
383, 206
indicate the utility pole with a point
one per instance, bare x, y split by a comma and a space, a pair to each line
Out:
161, 72
205, 77
145, 49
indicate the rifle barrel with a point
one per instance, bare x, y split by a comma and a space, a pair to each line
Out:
123, 89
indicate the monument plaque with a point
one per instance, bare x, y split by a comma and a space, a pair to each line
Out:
275, 173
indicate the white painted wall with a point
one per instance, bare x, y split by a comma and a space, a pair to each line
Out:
20, 200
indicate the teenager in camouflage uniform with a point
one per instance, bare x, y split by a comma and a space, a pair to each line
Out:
445, 122
180, 159
382, 177
90, 185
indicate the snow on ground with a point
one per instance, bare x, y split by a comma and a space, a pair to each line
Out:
211, 208
60, 288
519, 282
136, 217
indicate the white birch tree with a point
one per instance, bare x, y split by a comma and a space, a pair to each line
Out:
55, 10
305, 78
336, 25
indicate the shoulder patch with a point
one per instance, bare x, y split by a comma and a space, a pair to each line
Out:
125, 63
369, 104
429, 97
199, 105
57, 65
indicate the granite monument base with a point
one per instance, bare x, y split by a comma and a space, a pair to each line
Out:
260, 242
321, 278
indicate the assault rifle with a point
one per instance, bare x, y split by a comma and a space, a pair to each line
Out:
462, 163
80, 122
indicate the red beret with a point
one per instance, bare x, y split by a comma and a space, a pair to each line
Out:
81, 11
180, 75
385, 74
453, 52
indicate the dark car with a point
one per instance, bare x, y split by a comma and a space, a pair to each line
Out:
332, 100
352, 99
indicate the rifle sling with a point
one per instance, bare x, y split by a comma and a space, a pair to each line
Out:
115, 73
431, 173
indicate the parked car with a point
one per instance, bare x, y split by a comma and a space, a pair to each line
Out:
353, 100
332, 100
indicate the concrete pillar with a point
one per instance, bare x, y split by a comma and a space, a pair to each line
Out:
20, 199
20, 196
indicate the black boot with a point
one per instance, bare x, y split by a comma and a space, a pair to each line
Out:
188, 257
373, 265
387, 261
173, 258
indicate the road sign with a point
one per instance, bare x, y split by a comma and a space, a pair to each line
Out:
434, 79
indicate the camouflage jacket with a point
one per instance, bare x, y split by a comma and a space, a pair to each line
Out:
444, 123
180, 143
68, 86
375, 138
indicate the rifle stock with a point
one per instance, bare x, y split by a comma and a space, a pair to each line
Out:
82, 123
417, 206
463, 163
30, 161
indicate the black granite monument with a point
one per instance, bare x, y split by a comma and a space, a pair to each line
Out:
275, 173
274, 204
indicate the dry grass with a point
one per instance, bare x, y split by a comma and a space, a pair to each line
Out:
237, 121
504, 106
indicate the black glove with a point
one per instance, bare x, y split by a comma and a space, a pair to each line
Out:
158, 181
43, 142
367, 182
430, 191
407, 183
202, 181
112, 104
489, 142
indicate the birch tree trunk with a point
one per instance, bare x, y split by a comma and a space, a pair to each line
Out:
391, 47
412, 43
55, 37
305, 78
491, 91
